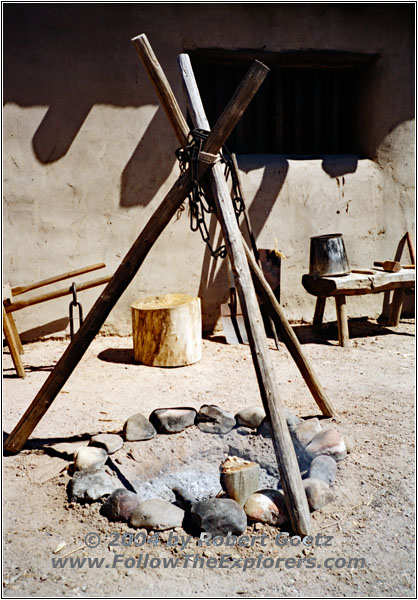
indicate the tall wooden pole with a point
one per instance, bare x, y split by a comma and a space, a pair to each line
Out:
290, 477
131, 263
177, 120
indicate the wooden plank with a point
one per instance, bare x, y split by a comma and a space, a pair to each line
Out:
20, 289
358, 284
55, 294
264, 290
13, 347
130, 264
290, 477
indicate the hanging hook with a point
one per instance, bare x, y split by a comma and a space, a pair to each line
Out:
75, 303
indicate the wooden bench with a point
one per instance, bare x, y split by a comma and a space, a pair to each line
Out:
356, 284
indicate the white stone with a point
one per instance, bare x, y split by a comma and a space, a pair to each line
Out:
89, 457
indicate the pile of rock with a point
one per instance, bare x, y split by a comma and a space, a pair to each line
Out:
242, 500
210, 419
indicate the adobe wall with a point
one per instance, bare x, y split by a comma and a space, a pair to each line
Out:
89, 155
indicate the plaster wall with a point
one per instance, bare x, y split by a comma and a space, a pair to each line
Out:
88, 155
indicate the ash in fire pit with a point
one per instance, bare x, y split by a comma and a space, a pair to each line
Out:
184, 468
195, 467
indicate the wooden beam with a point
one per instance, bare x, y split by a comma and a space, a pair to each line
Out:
357, 284
13, 345
289, 337
342, 320
19, 304
290, 477
131, 263
20, 289
162, 87
263, 289
15, 333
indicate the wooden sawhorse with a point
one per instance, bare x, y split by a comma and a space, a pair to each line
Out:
10, 305
356, 284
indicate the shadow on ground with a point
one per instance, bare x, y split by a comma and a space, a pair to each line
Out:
123, 356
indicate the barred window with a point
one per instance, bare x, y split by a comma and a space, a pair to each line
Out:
308, 104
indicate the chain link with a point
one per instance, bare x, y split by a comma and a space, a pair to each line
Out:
199, 204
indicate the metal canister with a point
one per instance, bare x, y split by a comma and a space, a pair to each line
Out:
328, 256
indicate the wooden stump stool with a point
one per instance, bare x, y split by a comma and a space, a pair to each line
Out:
167, 330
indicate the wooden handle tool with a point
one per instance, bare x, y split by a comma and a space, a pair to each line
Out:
389, 265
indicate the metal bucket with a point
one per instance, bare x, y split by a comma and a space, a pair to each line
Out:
328, 256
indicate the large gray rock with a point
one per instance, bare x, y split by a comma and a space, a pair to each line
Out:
172, 420
109, 441
323, 467
328, 441
89, 457
292, 421
317, 493
305, 431
218, 516
267, 506
120, 505
91, 485
157, 514
250, 417
212, 419
138, 428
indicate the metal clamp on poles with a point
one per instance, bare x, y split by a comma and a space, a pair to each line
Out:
75, 303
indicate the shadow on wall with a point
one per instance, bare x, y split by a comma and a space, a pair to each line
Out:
150, 164
71, 57
271, 184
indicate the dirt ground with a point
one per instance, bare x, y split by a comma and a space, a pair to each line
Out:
372, 385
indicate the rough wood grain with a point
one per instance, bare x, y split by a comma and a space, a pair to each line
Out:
167, 330
19, 304
358, 284
15, 333
240, 478
286, 458
162, 87
130, 265
396, 307
341, 307
20, 289
13, 346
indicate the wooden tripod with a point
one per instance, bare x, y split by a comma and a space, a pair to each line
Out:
241, 259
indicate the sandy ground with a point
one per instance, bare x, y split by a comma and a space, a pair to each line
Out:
372, 384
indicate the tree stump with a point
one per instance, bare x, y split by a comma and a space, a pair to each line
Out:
240, 478
167, 330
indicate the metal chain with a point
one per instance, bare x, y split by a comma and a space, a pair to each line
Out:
199, 204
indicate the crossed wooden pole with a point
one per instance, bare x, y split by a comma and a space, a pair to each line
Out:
241, 260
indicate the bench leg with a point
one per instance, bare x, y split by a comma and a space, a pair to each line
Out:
341, 306
396, 307
318, 314
13, 345
15, 333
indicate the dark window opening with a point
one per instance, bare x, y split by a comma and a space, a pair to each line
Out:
300, 109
